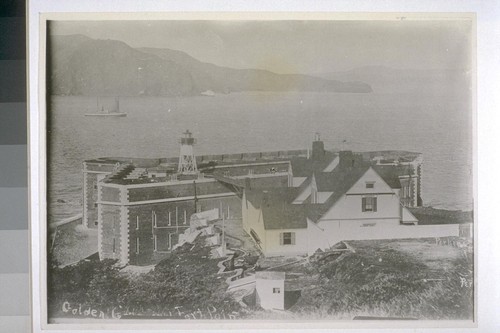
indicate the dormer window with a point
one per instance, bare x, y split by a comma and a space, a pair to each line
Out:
370, 184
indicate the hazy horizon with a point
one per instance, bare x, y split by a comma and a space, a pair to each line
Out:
288, 47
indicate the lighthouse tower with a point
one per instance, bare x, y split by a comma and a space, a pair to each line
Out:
187, 160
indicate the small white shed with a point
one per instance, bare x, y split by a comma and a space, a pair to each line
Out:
270, 290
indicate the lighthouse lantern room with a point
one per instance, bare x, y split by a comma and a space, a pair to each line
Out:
187, 160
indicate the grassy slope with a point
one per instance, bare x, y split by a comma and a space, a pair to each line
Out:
394, 278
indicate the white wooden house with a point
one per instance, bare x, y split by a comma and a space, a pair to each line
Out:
350, 202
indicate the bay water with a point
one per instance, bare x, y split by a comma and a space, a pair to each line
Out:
435, 124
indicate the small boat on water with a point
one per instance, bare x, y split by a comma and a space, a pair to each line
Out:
208, 93
105, 112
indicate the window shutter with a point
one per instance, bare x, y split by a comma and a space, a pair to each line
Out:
293, 238
374, 200
281, 238
363, 204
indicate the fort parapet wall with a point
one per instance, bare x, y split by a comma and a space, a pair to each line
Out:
233, 157
105, 164
242, 156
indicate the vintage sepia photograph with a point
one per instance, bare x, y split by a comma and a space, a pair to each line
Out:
260, 169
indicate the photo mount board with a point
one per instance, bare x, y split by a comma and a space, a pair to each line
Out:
38, 163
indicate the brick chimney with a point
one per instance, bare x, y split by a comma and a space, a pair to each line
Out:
318, 148
346, 159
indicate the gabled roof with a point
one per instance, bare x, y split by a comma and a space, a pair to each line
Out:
391, 173
304, 167
277, 210
339, 181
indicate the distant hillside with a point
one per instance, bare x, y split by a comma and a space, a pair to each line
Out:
387, 79
84, 66
221, 79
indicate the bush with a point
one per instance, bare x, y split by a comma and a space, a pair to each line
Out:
87, 282
184, 279
384, 282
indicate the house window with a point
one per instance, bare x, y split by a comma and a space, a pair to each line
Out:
169, 219
96, 222
287, 238
137, 223
406, 192
276, 290
95, 205
370, 184
369, 204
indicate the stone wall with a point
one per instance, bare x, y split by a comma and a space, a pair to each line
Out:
243, 156
267, 182
254, 169
110, 236
171, 218
92, 173
110, 194
89, 200
174, 190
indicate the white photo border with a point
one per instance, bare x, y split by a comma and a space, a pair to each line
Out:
487, 22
